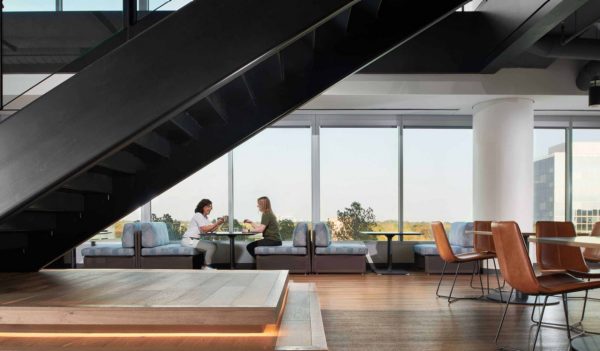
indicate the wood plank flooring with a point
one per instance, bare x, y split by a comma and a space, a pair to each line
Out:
367, 312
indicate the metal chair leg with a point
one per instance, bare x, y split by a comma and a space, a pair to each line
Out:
566, 308
539, 325
481, 280
453, 283
503, 316
498, 280
437, 292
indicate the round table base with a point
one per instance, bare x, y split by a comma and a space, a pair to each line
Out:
519, 299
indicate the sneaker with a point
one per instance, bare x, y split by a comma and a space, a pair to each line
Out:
208, 268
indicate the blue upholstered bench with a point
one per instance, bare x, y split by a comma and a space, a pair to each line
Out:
143, 245
428, 258
114, 255
157, 251
336, 257
291, 255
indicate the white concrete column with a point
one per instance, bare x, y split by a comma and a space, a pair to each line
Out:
503, 161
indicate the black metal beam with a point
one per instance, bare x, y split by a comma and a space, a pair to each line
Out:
522, 23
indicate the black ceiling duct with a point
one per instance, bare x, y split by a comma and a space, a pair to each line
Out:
589, 79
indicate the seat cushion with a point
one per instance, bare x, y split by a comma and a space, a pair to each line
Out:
431, 250
357, 248
286, 249
108, 250
170, 250
300, 235
154, 234
322, 235
458, 235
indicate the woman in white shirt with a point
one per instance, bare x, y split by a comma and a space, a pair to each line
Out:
200, 224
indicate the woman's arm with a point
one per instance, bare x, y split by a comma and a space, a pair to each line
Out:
259, 228
212, 227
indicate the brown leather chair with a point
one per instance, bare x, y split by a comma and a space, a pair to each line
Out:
485, 244
553, 258
593, 255
447, 255
516, 268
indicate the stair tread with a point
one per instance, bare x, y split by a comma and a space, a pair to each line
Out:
302, 324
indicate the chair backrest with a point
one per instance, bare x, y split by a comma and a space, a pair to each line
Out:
483, 243
322, 235
442, 243
300, 235
128, 236
593, 254
558, 257
513, 258
458, 234
154, 234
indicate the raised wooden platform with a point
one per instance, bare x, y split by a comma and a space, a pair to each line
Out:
142, 301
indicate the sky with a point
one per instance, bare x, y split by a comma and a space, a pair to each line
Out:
86, 5
357, 164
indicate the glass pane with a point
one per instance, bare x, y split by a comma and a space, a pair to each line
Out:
438, 178
549, 175
172, 5
29, 5
176, 205
586, 178
261, 168
359, 181
86, 5
108, 236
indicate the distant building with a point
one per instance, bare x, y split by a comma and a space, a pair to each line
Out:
549, 185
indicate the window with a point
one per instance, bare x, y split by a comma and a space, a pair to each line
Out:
262, 168
586, 178
29, 5
438, 178
176, 205
549, 175
359, 181
86, 5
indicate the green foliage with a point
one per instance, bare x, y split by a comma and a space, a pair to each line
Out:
175, 227
351, 221
286, 229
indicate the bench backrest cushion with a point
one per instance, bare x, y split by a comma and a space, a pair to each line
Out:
322, 235
154, 234
458, 235
300, 235
127, 239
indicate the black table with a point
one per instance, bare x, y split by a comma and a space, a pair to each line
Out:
390, 236
232, 236
518, 297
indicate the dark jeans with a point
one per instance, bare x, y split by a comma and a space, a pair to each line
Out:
262, 242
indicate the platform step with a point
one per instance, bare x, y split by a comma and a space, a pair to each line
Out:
301, 326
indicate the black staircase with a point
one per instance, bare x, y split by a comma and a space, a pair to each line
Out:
168, 102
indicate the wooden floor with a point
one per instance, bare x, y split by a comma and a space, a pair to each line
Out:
367, 312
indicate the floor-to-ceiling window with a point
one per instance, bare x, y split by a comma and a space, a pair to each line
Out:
549, 174
275, 163
437, 178
586, 179
359, 180
176, 205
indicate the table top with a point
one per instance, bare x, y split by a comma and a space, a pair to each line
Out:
579, 241
234, 233
392, 233
486, 233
